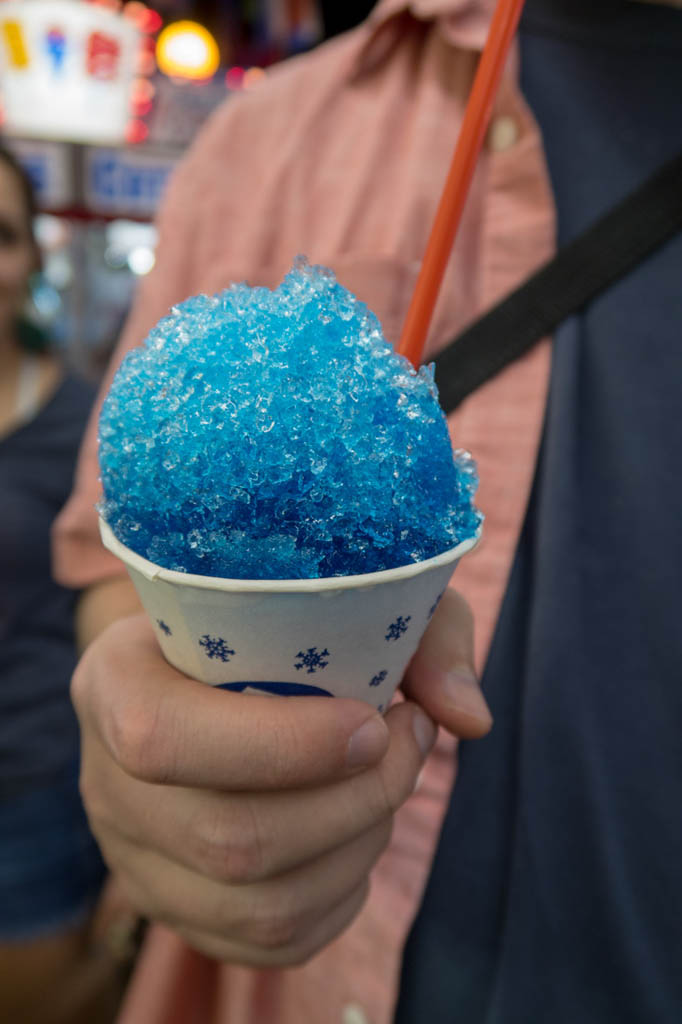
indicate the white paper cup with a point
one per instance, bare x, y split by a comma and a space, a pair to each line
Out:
346, 636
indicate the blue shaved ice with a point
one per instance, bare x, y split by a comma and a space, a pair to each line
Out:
265, 434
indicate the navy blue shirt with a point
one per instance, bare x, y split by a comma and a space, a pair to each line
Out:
38, 729
556, 894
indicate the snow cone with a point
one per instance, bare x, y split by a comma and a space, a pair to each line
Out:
282, 489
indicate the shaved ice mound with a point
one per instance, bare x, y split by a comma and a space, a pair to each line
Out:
264, 434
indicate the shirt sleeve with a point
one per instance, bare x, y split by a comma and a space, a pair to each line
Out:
79, 559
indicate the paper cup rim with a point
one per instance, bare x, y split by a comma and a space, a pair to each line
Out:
151, 571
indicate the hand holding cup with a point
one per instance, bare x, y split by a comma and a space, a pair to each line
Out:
251, 825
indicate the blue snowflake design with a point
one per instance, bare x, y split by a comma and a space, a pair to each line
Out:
164, 627
215, 647
380, 709
312, 659
434, 605
378, 679
397, 628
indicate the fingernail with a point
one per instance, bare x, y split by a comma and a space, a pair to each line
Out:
367, 744
461, 689
424, 731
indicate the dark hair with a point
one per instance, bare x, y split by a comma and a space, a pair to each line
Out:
29, 335
25, 184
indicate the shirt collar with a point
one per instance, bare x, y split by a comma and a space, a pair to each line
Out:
464, 23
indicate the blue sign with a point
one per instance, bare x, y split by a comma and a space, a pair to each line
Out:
124, 182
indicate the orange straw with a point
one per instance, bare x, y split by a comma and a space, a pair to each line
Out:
449, 213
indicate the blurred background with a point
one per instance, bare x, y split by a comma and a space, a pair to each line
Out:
98, 100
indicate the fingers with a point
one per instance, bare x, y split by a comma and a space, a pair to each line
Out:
441, 677
272, 919
246, 837
323, 931
263, 914
162, 727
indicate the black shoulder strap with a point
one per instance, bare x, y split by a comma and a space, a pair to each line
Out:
611, 247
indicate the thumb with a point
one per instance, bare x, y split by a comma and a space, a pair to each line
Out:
441, 678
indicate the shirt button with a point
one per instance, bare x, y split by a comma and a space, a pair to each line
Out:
354, 1014
503, 133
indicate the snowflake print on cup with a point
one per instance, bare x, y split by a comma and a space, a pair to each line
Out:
378, 679
164, 627
397, 628
215, 647
312, 659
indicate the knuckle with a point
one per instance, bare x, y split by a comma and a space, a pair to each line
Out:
281, 919
136, 743
228, 846
129, 726
276, 929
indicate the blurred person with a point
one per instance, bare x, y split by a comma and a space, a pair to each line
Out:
51, 871
240, 824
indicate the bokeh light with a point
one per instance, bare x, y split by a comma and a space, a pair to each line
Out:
186, 49
136, 131
234, 78
252, 76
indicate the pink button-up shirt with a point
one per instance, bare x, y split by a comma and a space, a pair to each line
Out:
341, 154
